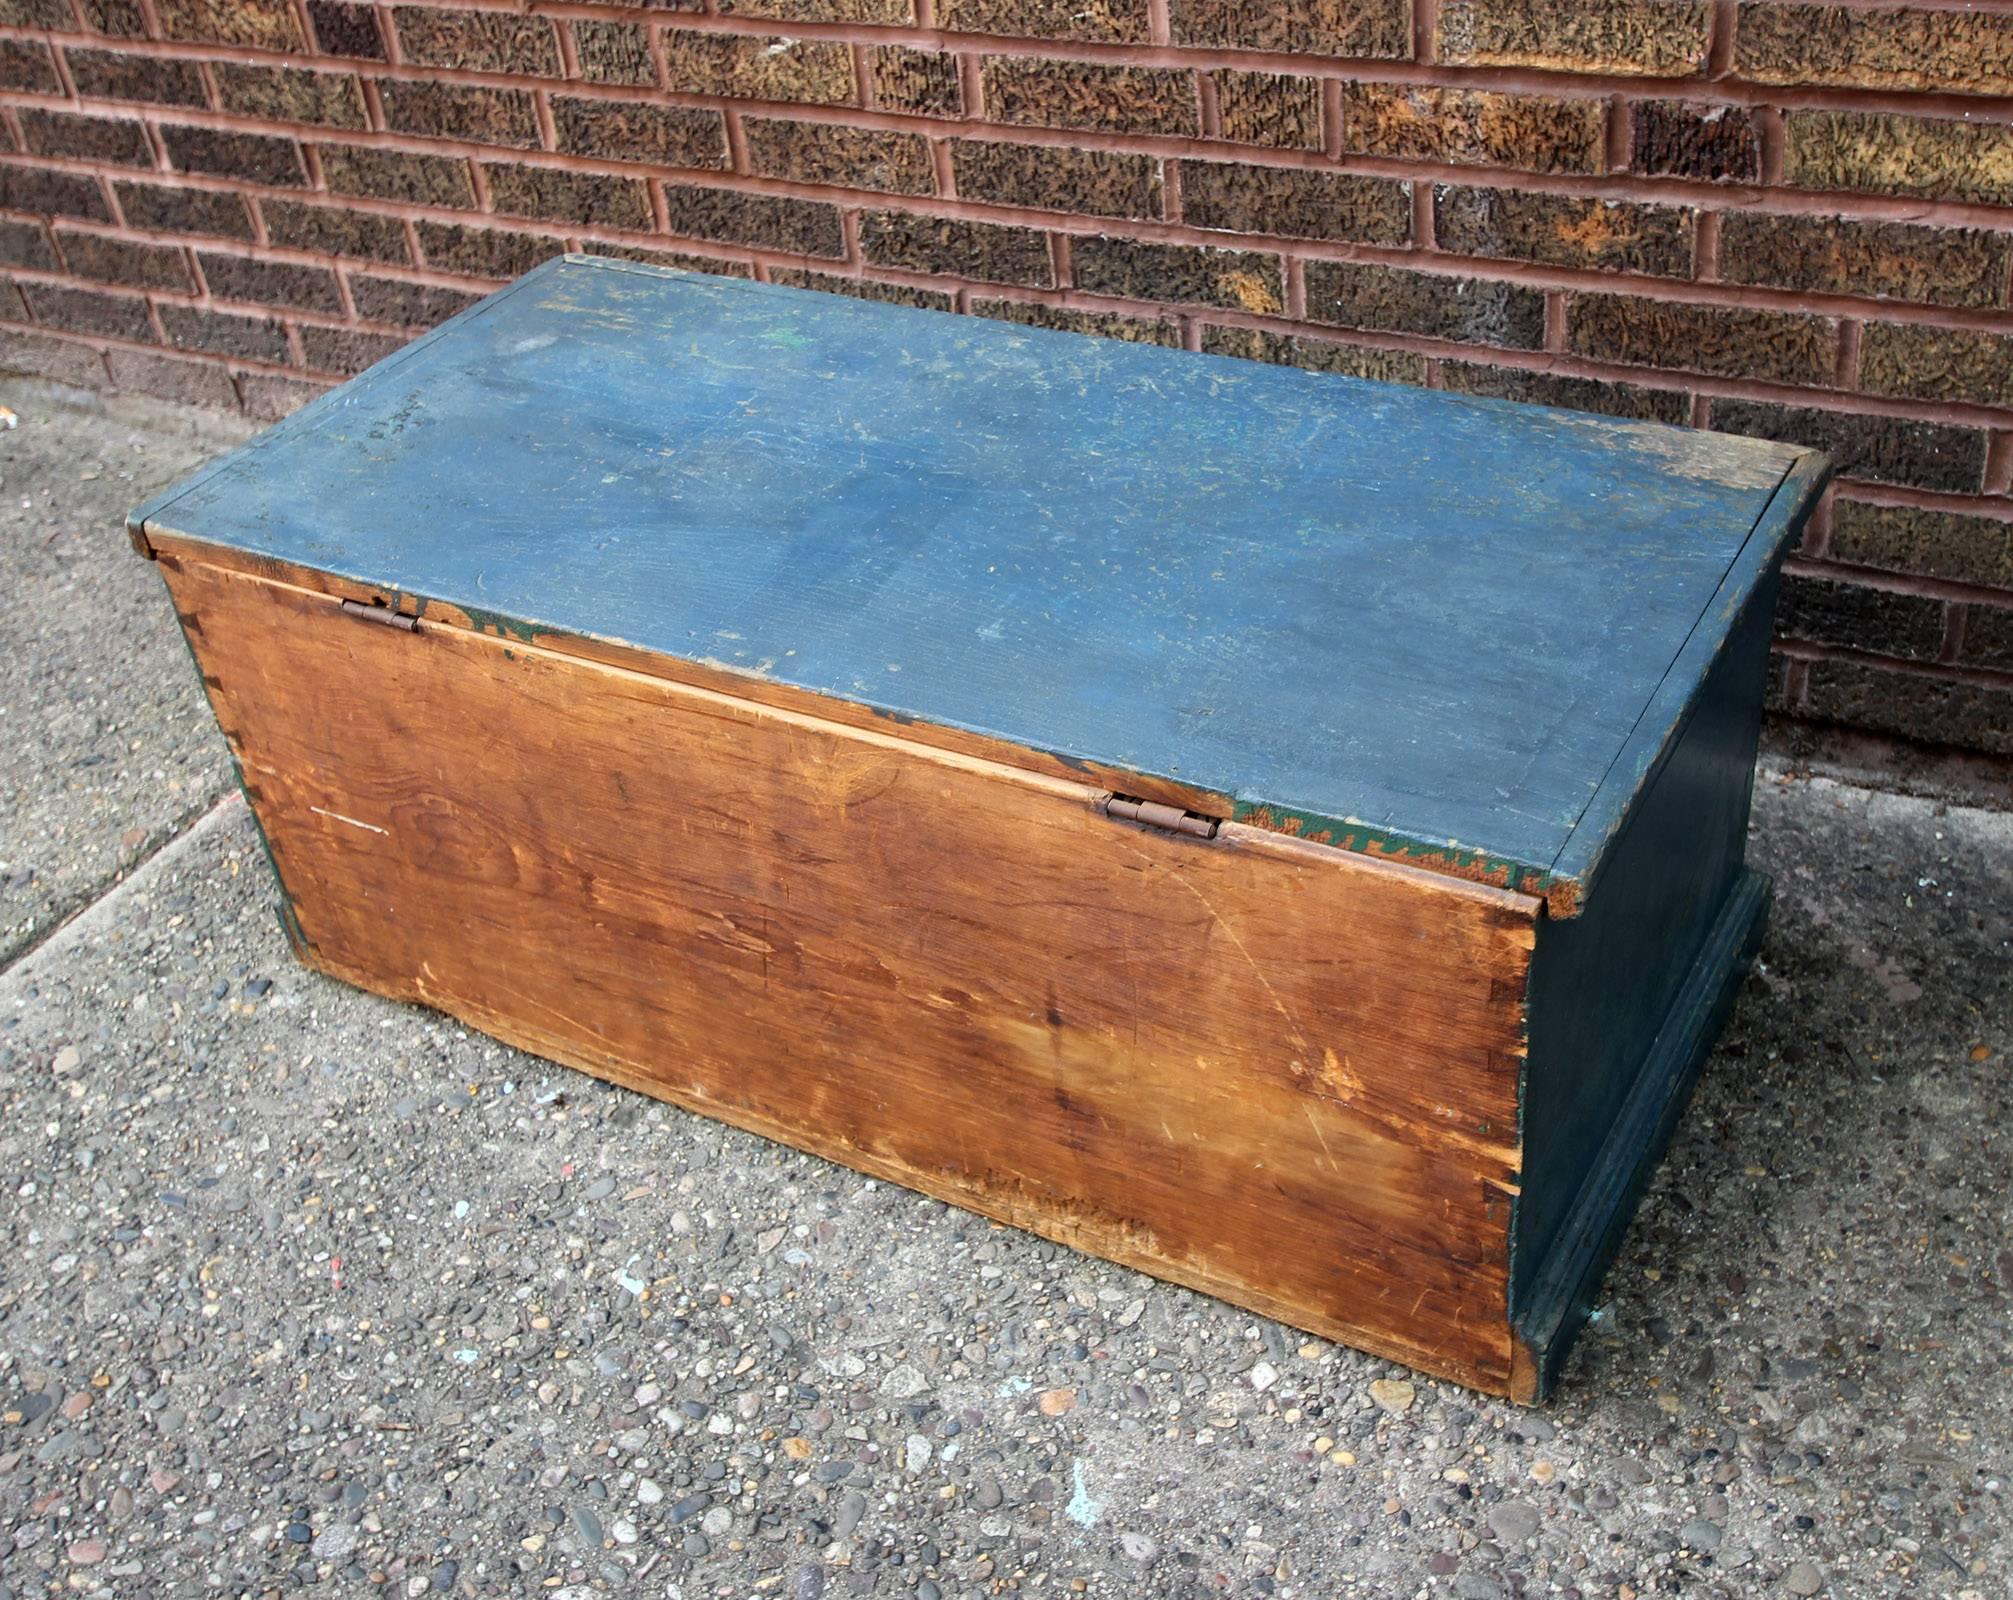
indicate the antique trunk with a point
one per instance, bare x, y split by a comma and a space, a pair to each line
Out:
1278, 831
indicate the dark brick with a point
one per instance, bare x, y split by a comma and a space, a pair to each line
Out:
138, 266
1105, 324
1086, 94
191, 383
160, 209
261, 24
479, 41
1931, 544
122, 18
678, 260
1098, 183
1108, 21
249, 156
1268, 108
109, 139
342, 29
27, 64
829, 153
279, 283
1850, 614
923, 82
37, 14
268, 398
460, 111
1912, 706
26, 244
1409, 122
58, 194
1887, 153
1231, 197
1239, 280
1988, 637
12, 306
802, 227
1928, 455
1564, 230
405, 305
1316, 355
392, 175
58, 360
291, 94
484, 252
568, 196
1571, 394
1936, 363
1889, 260
896, 12
983, 251
222, 334
1708, 144
1804, 45
1357, 295
113, 75
614, 52
1779, 346
346, 350
671, 136
1654, 38
110, 316
900, 294
333, 231
1379, 29
813, 72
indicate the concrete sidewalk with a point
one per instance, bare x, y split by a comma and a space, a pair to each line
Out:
299, 1287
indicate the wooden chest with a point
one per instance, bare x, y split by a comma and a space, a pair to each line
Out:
1278, 831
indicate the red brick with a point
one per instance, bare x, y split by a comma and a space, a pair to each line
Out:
897, 12
193, 383
260, 24
1391, 299
1708, 144
524, 191
290, 94
479, 41
624, 130
1315, 355
394, 175
345, 351
114, 75
137, 266
613, 52
405, 305
1840, 612
335, 231
1925, 363
983, 251
1930, 544
829, 153
110, 316
1912, 706
1655, 38
161, 209
343, 29
1379, 29
1474, 126
268, 398
279, 283
1293, 202
900, 294
922, 82
1889, 260
223, 333
56, 360
1564, 230
1105, 324
1926, 455
809, 71
37, 14
1275, 109
1571, 394
27, 65
1887, 48
1733, 341
477, 114
249, 156
61, 194
485, 252
1098, 183
1238, 280
107, 139
1103, 21
774, 222
26, 244
121, 17
1888, 153
1088, 94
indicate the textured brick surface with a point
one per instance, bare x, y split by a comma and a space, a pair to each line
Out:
524, 191
1100, 182
1929, 710
114, 75
1315, 355
275, 283
1906, 625
1233, 197
1360, 28
287, 94
811, 71
924, 82
1565, 230
1930, 544
224, 333
613, 52
1777, 346
1988, 638
1671, 406
983, 251
345, 350
1897, 260
110, 316
193, 383
396, 175
1662, 38
1886, 48
1269, 108
61, 133
261, 24
1087, 94
202, 213
138, 266
460, 111
267, 397
26, 244
1705, 143
775, 222
1473, 125
1927, 363
122, 18
1239, 280
484, 252
1891, 153
898, 294
37, 14
898, 12
1392, 299
1105, 324
1097, 20
481, 41
58, 360
345, 29
828, 153
405, 305
1927, 455
59, 194
253, 157
671, 136
27, 65
335, 231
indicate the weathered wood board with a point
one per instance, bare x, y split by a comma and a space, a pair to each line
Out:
753, 749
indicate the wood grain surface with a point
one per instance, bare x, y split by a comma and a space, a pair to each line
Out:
1268, 1069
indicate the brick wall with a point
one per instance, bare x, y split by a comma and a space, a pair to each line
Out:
1793, 220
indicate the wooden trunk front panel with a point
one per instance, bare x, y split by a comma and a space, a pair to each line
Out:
1269, 1070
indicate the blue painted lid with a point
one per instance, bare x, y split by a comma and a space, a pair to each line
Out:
1415, 622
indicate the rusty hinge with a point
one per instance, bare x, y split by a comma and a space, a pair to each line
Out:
1154, 814
383, 615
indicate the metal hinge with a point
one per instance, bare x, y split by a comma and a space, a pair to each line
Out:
382, 615
1153, 814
